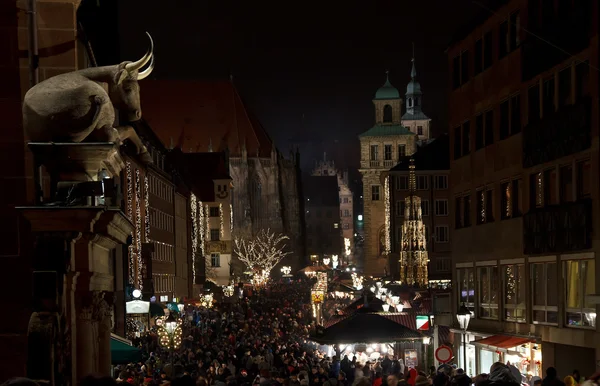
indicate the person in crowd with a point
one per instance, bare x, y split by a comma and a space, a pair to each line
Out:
552, 378
576, 376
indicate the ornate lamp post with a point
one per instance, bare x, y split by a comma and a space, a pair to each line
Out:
464, 317
169, 335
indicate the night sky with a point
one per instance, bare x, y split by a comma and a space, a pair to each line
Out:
319, 60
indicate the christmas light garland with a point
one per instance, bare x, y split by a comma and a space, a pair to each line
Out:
207, 215
129, 216
388, 240
138, 229
221, 225
201, 226
194, 210
231, 217
146, 210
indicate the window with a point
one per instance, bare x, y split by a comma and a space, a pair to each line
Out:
505, 201
441, 207
464, 67
479, 132
467, 210
489, 205
533, 103
401, 183
214, 234
503, 40
441, 182
387, 114
346, 225
419, 130
214, 211
504, 120
374, 152
565, 184
387, 152
457, 142
517, 210
548, 97
582, 80
346, 213
544, 293
489, 127
488, 292
457, 212
580, 281
422, 183
215, 259
478, 60
424, 207
514, 292
583, 179
466, 287
442, 234
536, 190
443, 264
416, 101
487, 50
550, 187
515, 26
400, 208
401, 151
346, 200
466, 137
515, 114
375, 192
456, 72
564, 87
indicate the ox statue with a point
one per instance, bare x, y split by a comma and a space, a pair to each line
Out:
78, 106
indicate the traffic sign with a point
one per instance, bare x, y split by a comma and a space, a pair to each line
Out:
443, 354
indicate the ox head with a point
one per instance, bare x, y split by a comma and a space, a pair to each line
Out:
125, 91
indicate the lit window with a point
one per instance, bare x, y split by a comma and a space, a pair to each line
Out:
488, 292
580, 281
514, 292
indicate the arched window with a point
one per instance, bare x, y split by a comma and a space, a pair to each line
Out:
255, 198
387, 113
416, 102
409, 102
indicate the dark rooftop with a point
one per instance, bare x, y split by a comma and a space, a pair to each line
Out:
321, 190
433, 156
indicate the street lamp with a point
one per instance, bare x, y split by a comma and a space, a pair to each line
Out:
464, 317
169, 334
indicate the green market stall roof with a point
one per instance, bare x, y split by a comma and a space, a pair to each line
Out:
365, 327
122, 353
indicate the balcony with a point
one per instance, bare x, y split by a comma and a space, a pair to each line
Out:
388, 163
565, 132
570, 32
375, 164
558, 228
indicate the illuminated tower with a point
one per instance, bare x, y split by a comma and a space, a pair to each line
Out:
413, 252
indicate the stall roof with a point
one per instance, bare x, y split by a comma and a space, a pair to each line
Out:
502, 341
363, 327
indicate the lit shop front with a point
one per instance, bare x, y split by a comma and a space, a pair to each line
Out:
482, 351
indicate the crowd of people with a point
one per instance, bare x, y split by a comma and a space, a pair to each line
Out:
262, 340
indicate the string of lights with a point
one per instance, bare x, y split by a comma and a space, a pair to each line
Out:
388, 241
231, 217
146, 210
130, 249
222, 224
194, 210
207, 216
138, 230
201, 226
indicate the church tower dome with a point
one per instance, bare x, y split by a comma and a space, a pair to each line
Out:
387, 91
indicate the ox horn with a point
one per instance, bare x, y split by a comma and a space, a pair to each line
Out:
142, 62
147, 71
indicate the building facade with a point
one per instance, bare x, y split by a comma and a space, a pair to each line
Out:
432, 169
381, 147
346, 197
266, 185
322, 216
524, 141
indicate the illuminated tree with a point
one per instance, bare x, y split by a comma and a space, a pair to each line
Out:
261, 253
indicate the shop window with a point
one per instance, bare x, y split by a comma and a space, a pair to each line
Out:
514, 292
466, 287
580, 281
544, 293
488, 292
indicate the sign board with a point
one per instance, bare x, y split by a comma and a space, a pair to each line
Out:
137, 307
317, 296
423, 322
411, 358
443, 354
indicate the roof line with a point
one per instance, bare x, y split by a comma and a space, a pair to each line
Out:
235, 121
247, 117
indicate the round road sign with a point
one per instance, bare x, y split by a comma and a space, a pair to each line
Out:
443, 354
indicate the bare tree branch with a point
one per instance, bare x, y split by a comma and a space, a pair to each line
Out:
261, 254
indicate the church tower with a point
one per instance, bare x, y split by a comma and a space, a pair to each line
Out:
413, 245
381, 147
414, 118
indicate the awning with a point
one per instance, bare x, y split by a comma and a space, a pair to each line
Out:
502, 342
122, 353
